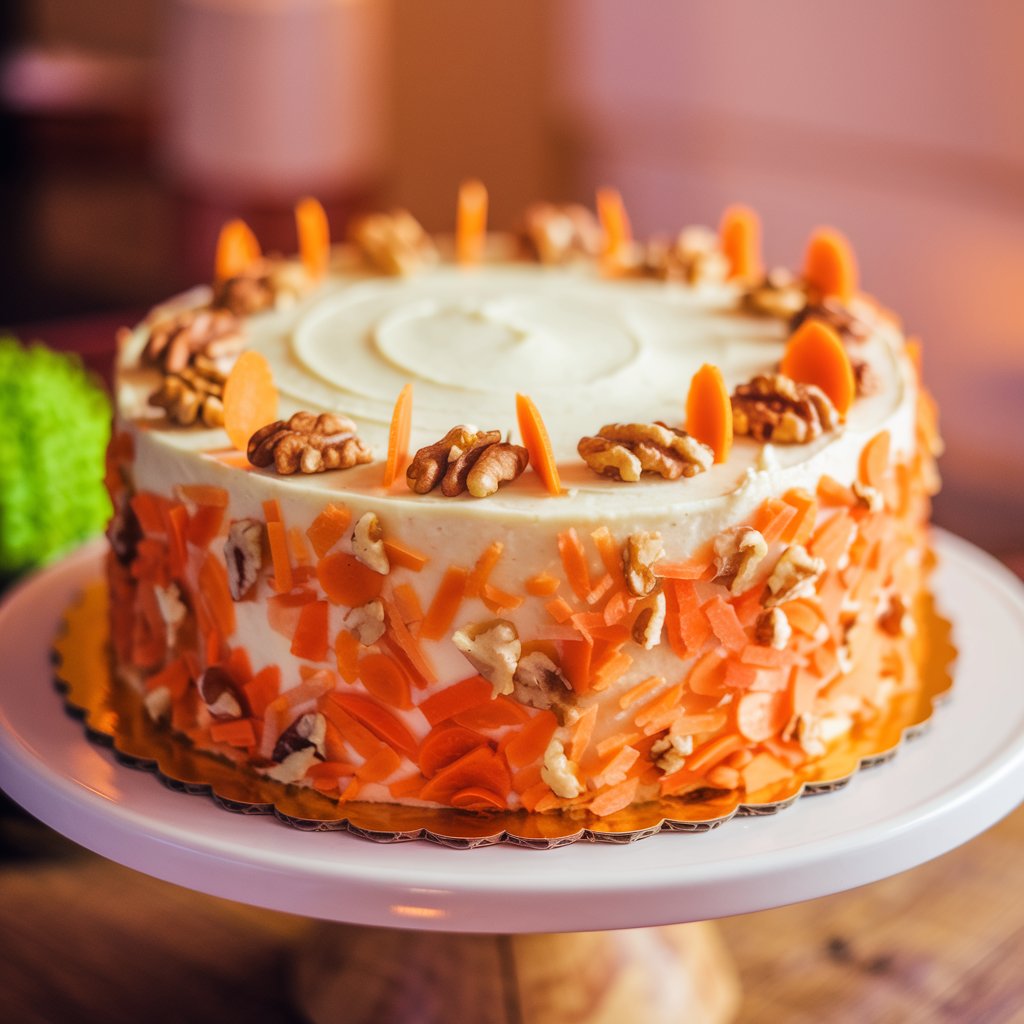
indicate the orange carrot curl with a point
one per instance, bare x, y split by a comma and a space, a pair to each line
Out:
740, 236
471, 223
237, 250
314, 236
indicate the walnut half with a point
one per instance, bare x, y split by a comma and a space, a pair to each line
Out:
466, 459
773, 407
624, 451
308, 443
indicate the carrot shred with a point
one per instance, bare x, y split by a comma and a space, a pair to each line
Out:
610, 552
477, 798
364, 742
576, 657
610, 668
641, 689
698, 724
410, 785
408, 645
531, 797
530, 742
378, 720
559, 609
328, 528
283, 610
581, 732
405, 557
461, 696
408, 603
272, 511
177, 526
204, 525
691, 569
499, 601
282, 580
773, 518
398, 436
237, 250
800, 528
495, 714
471, 222
345, 580
739, 675
541, 585
709, 411
725, 624
766, 657
599, 589
669, 700
263, 689
174, 676
480, 767
443, 609
147, 508
618, 607
445, 744
483, 568
803, 617
298, 547
237, 733
832, 539
574, 561
213, 584
615, 798
538, 443
380, 766
205, 494
739, 234
239, 666
714, 751
314, 236
346, 651
386, 680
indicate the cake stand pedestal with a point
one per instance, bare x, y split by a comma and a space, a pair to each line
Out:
419, 955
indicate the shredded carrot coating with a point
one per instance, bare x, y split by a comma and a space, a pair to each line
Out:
541, 585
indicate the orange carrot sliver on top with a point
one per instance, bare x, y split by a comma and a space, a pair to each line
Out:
760, 714
541, 585
471, 222
709, 411
611, 212
328, 528
250, 398
386, 680
611, 668
314, 236
830, 267
832, 492
574, 561
739, 675
740, 236
479, 768
460, 696
237, 250
278, 542
398, 436
272, 511
204, 525
691, 569
815, 354
443, 609
874, 461
537, 443
707, 677
764, 770
405, 557
481, 572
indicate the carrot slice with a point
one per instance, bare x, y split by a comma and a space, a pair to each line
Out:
760, 715
310, 639
346, 650
250, 398
278, 541
410, 785
385, 679
378, 720
314, 236
495, 714
832, 492
481, 767
499, 601
404, 557
725, 624
559, 609
764, 770
471, 222
380, 766
441, 613
816, 355
346, 580
714, 751
237, 250
615, 798
398, 436
205, 494
445, 744
740, 237
709, 411
461, 696
262, 689
576, 656
482, 569
830, 267
611, 212
328, 528
707, 677
530, 742
477, 798
204, 525
874, 461
537, 443
799, 530
574, 561
407, 645
739, 675
541, 585
581, 733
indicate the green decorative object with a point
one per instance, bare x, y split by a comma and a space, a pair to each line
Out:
55, 426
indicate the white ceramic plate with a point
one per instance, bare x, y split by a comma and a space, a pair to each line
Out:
940, 791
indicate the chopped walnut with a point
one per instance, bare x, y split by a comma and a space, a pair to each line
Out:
308, 443
695, 257
367, 622
778, 294
773, 407
895, 620
222, 696
670, 752
177, 337
157, 702
368, 544
843, 321
649, 622
623, 451
805, 729
869, 498
556, 232
795, 575
865, 378
772, 629
738, 555
194, 394
270, 283
493, 649
639, 554
298, 748
393, 243
559, 772
243, 556
539, 682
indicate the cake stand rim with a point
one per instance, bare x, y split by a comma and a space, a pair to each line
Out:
496, 889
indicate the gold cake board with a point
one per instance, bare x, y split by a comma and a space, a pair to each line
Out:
359, 975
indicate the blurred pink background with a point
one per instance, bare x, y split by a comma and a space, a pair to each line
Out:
131, 128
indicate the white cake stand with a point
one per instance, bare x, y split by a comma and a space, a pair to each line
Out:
961, 778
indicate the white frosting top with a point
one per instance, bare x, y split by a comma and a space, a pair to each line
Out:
588, 350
